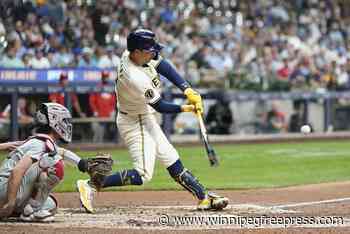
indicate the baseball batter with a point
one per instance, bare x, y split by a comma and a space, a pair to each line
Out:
34, 167
138, 91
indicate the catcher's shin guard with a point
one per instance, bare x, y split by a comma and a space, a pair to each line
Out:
125, 177
41, 198
187, 180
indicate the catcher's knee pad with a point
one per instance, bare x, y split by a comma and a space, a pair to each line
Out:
187, 180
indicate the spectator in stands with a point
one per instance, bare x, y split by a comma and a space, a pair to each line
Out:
2, 29
87, 61
297, 117
115, 60
274, 120
284, 72
39, 61
343, 81
64, 57
27, 58
24, 117
34, 36
193, 75
220, 118
200, 57
102, 105
102, 60
60, 96
52, 44
101, 19
9, 59
282, 31
329, 79
19, 27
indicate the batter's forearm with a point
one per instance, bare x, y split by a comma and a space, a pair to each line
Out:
166, 107
166, 70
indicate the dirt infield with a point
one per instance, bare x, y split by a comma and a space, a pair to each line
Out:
303, 209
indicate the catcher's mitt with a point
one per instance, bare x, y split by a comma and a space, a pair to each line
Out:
98, 168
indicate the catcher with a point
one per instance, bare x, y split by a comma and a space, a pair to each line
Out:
35, 167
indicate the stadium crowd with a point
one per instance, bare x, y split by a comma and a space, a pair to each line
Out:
255, 44
269, 45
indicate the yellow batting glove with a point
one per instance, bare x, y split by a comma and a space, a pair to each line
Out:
188, 108
199, 108
194, 98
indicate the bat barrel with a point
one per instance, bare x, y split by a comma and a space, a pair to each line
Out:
213, 159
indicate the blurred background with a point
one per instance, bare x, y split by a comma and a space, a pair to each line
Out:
263, 66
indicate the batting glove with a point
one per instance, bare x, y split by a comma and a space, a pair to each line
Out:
188, 108
194, 98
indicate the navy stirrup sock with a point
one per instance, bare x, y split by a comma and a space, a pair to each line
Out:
176, 168
125, 177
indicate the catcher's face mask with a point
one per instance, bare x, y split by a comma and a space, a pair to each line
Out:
57, 117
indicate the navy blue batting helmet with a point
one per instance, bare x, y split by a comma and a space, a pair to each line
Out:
143, 39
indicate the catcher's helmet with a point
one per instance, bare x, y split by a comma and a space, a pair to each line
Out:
143, 39
56, 117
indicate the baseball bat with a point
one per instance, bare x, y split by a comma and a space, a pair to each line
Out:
213, 158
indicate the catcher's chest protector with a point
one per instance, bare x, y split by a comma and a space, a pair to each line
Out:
50, 145
50, 162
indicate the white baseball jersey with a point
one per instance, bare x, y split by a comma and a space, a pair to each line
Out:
136, 88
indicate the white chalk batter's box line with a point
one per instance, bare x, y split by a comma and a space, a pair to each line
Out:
312, 203
238, 206
250, 208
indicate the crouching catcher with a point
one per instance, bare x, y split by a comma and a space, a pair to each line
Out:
34, 167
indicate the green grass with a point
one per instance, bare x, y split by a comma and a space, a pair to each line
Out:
244, 166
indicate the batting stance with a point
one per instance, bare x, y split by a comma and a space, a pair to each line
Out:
138, 91
35, 167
